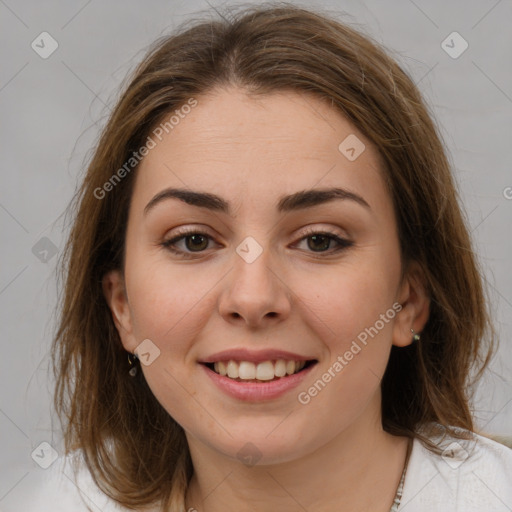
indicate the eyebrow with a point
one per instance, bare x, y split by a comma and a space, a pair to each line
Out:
297, 201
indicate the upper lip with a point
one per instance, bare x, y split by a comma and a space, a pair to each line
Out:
254, 356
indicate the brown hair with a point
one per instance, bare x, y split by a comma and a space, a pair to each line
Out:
135, 451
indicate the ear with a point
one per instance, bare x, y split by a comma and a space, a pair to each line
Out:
115, 295
415, 306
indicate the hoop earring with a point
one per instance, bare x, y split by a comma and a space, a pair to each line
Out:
415, 337
132, 358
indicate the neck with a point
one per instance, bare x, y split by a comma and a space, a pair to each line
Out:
358, 470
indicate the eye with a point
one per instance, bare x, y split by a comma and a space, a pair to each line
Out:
320, 242
198, 242
195, 242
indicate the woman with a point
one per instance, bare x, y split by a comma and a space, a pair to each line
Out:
271, 299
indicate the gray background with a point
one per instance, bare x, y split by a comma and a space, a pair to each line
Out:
52, 110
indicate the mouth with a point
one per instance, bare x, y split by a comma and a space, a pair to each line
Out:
265, 371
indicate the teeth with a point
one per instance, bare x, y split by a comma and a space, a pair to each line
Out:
280, 368
247, 370
232, 370
222, 368
267, 370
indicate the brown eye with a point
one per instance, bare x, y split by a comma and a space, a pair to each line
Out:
322, 242
187, 243
198, 242
319, 242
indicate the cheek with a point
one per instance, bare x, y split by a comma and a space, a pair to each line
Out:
169, 303
347, 300
352, 312
170, 306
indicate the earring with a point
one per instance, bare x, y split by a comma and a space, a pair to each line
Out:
415, 337
132, 358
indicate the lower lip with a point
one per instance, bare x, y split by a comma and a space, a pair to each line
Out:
254, 391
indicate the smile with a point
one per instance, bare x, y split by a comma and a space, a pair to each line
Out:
257, 381
257, 372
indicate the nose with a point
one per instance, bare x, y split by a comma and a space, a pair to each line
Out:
255, 293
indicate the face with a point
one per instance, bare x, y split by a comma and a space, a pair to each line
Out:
266, 272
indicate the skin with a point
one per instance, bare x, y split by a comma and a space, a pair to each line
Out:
331, 454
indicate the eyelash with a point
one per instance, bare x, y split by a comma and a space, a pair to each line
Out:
342, 242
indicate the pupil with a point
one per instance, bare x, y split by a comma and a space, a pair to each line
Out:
323, 238
196, 238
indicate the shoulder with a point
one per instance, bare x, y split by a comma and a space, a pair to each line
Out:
472, 475
58, 489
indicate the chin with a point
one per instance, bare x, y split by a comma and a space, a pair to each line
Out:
260, 445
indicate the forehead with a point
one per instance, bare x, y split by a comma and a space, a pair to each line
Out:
268, 145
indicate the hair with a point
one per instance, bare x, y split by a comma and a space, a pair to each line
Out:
135, 451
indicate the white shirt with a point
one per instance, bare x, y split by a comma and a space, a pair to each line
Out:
470, 476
